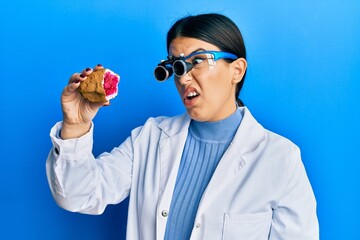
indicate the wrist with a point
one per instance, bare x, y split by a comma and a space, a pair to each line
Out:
74, 130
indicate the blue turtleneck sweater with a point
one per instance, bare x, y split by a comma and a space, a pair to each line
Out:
204, 147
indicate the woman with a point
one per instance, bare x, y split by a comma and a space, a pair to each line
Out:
212, 173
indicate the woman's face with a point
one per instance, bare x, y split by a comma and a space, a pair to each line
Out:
208, 94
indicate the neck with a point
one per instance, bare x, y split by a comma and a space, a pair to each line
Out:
221, 130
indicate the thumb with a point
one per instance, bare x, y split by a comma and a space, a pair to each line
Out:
71, 87
100, 104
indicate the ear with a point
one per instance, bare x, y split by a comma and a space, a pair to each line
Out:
239, 69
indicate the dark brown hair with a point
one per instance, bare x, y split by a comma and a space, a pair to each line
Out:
216, 29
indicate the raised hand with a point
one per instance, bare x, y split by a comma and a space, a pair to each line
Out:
78, 112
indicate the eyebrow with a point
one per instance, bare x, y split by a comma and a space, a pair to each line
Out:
196, 50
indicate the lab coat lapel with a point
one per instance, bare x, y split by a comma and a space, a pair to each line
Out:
171, 144
170, 152
248, 136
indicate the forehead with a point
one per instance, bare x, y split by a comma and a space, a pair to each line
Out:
188, 45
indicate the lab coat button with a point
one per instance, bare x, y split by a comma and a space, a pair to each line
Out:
197, 225
242, 163
164, 213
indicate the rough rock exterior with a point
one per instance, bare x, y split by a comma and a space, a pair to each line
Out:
93, 87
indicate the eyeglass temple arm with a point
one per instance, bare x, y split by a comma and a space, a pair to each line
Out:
219, 55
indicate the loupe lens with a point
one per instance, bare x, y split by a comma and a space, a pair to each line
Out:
181, 67
162, 73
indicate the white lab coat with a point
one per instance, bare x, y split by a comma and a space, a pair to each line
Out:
259, 189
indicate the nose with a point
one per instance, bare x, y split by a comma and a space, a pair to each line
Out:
185, 79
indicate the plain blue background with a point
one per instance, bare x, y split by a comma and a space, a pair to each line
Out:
302, 82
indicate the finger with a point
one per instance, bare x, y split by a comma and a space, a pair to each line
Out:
102, 104
72, 87
96, 106
98, 67
76, 77
106, 104
87, 71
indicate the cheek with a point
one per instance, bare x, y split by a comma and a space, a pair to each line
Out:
177, 84
217, 85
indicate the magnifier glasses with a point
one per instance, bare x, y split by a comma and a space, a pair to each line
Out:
176, 65
182, 65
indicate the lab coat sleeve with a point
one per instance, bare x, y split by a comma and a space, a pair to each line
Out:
79, 182
295, 216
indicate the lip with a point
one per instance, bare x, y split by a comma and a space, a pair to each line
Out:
189, 102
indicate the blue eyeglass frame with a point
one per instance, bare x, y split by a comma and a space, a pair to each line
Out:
217, 55
180, 67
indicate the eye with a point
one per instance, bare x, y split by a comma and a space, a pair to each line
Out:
197, 60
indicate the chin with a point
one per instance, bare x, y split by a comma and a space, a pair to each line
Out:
193, 116
197, 116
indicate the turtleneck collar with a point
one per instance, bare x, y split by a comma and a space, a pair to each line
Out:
219, 131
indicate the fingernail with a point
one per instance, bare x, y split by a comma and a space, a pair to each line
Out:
82, 75
99, 65
87, 69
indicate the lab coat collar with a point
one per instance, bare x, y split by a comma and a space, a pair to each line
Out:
175, 125
248, 135
246, 140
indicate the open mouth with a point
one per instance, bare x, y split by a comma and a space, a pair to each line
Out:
192, 95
